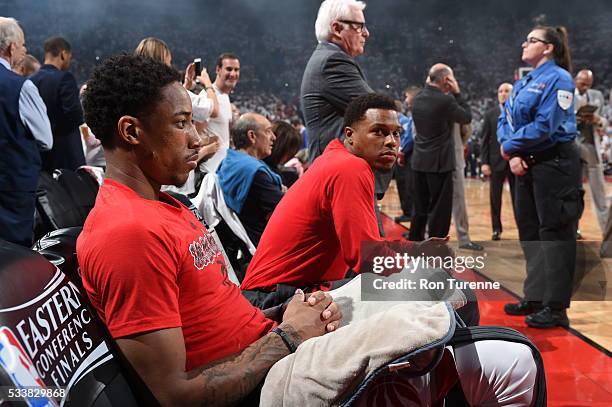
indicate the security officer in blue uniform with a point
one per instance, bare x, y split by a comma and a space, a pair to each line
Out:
536, 131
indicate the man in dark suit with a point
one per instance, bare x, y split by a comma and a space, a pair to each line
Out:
493, 165
24, 130
434, 111
59, 90
332, 78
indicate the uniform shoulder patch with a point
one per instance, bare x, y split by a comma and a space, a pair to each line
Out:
565, 99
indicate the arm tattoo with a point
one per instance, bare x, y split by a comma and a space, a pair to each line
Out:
229, 381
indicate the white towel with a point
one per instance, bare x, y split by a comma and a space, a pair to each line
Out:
325, 370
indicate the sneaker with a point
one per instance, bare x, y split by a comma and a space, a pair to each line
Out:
471, 246
548, 318
496, 235
401, 218
522, 308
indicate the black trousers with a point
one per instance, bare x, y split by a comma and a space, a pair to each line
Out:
17, 217
548, 204
404, 180
433, 204
495, 195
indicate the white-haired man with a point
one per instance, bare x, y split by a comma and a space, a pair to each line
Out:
332, 78
24, 129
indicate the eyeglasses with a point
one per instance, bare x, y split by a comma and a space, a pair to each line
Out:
533, 40
358, 26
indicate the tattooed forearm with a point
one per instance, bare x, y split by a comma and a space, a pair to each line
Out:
227, 383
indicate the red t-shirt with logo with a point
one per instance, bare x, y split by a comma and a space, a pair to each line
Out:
149, 265
316, 231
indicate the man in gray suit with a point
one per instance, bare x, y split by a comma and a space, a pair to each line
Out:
332, 77
461, 133
590, 124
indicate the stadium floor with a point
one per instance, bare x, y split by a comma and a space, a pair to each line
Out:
577, 360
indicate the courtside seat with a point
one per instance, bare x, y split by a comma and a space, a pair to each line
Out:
63, 200
110, 380
49, 338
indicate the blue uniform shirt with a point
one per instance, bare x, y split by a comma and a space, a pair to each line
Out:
540, 112
406, 138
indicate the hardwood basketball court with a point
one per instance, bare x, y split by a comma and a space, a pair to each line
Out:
577, 360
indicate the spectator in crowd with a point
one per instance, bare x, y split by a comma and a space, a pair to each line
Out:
493, 165
204, 105
332, 77
460, 134
28, 66
588, 106
227, 76
184, 327
24, 130
283, 160
536, 131
59, 90
250, 187
296, 122
471, 154
94, 153
433, 159
403, 171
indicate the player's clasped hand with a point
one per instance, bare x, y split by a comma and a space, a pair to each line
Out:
312, 316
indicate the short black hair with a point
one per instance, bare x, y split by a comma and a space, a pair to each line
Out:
123, 85
55, 45
355, 111
226, 55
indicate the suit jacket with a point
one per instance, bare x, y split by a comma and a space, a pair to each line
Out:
434, 114
331, 80
60, 93
489, 151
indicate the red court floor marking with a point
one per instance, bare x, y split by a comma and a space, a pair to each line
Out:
577, 373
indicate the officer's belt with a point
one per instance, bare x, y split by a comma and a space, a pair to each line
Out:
545, 155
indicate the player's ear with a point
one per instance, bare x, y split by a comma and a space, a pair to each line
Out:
348, 134
128, 130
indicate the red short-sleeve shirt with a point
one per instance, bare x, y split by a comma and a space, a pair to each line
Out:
148, 265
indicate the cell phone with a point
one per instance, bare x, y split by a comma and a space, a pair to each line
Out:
198, 67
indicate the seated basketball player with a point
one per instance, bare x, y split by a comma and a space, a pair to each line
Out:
315, 234
153, 272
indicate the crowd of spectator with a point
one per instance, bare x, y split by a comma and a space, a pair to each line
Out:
275, 40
